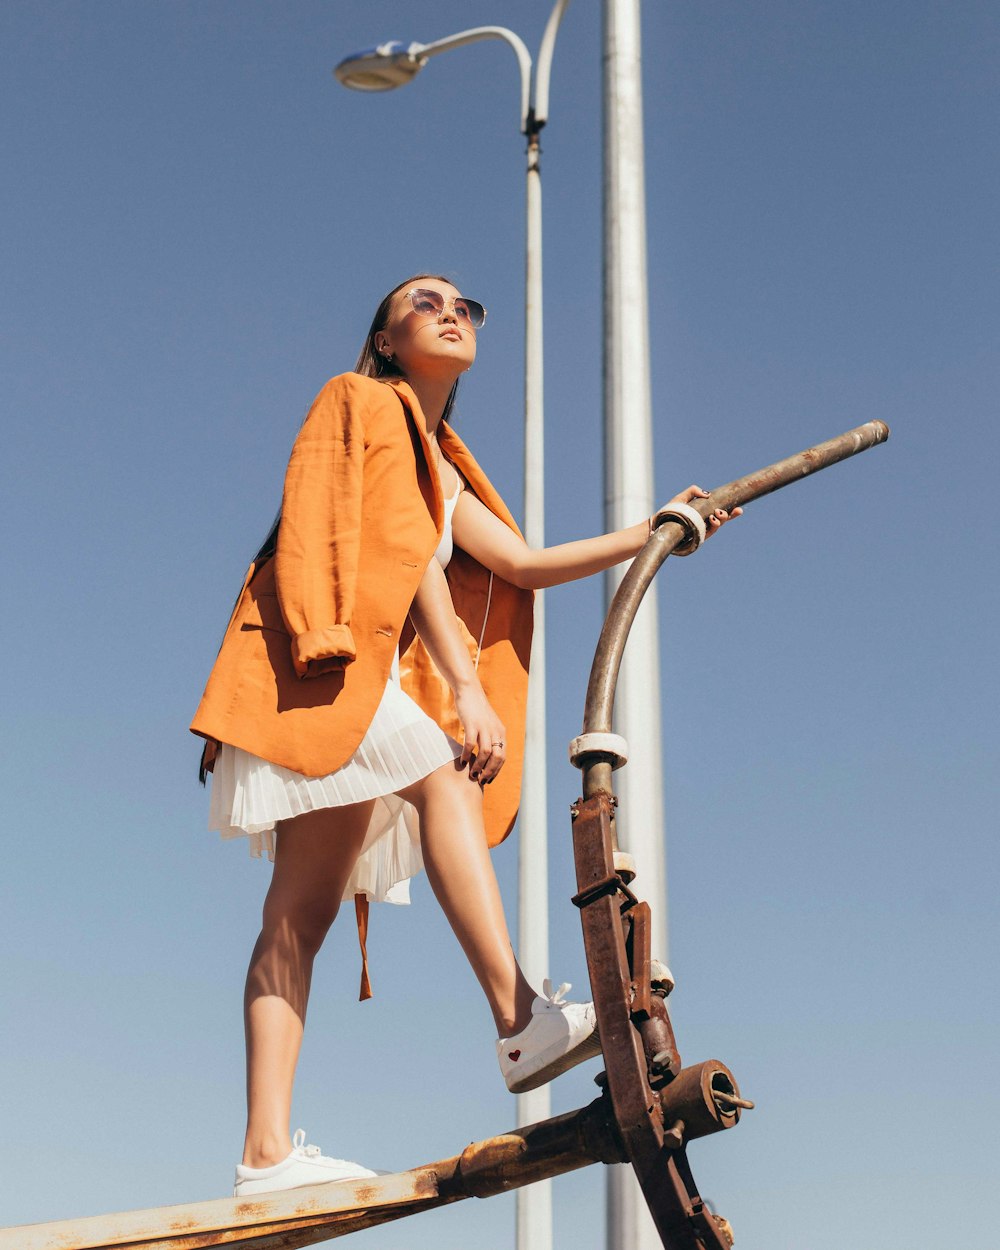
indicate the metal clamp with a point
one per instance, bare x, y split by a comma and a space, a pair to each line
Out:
609, 746
690, 518
612, 884
661, 977
624, 866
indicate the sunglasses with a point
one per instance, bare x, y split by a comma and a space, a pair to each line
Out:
428, 303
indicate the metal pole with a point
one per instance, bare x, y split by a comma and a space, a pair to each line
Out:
534, 1204
628, 450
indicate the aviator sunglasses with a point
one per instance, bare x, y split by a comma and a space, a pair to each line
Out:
428, 303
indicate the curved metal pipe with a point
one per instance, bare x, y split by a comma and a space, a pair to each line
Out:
671, 534
543, 67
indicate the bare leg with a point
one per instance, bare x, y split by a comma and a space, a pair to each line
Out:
315, 855
461, 874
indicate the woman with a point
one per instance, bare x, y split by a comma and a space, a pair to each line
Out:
365, 715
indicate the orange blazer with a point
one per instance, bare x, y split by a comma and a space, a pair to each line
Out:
308, 649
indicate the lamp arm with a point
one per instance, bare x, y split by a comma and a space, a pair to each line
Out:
489, 32
544, 66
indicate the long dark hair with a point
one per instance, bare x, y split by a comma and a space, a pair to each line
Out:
371, 364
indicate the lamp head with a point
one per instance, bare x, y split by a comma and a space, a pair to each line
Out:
389, 65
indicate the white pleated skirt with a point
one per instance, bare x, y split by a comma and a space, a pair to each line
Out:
402, 744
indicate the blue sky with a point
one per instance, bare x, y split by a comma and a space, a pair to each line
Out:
197, 225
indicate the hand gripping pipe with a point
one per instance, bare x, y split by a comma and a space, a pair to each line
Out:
668, 535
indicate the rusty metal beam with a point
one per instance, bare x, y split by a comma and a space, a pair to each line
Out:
639, 1046
301, 1217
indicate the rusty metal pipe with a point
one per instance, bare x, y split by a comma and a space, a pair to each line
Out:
691, 1099
671, 534
536, 1152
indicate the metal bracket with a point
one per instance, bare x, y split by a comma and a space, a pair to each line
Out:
612, 884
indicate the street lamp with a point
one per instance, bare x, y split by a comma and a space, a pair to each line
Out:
382, 68
395, 63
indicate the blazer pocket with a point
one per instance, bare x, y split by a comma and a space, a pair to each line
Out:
264, 612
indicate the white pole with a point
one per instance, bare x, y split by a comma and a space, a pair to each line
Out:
628, 452
534, 1202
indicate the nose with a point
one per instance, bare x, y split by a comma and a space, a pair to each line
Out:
448, 312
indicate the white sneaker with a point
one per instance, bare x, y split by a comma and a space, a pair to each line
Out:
559, 1036
304, 1166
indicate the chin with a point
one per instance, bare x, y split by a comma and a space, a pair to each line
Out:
461, 358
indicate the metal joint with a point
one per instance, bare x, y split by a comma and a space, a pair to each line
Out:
612, 884
608, 885
692, 521
588, 748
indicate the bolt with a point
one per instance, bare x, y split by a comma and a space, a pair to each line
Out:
673, 1138
719, 1095
663, 1060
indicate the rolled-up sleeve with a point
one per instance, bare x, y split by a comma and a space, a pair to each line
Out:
319, 539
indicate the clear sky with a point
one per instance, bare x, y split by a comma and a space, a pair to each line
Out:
197, 225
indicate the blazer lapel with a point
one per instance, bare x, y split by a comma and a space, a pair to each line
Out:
411, 406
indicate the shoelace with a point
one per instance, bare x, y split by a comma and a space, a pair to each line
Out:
299, 1143
555, 999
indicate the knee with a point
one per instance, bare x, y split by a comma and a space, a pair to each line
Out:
302, 922
447, 790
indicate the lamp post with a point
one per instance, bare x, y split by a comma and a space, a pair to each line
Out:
383, 68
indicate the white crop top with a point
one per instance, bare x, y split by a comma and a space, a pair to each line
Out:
446, 546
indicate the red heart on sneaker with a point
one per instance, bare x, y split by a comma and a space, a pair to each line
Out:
514, 1056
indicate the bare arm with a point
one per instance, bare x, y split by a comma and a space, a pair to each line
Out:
488, 540
433, 616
